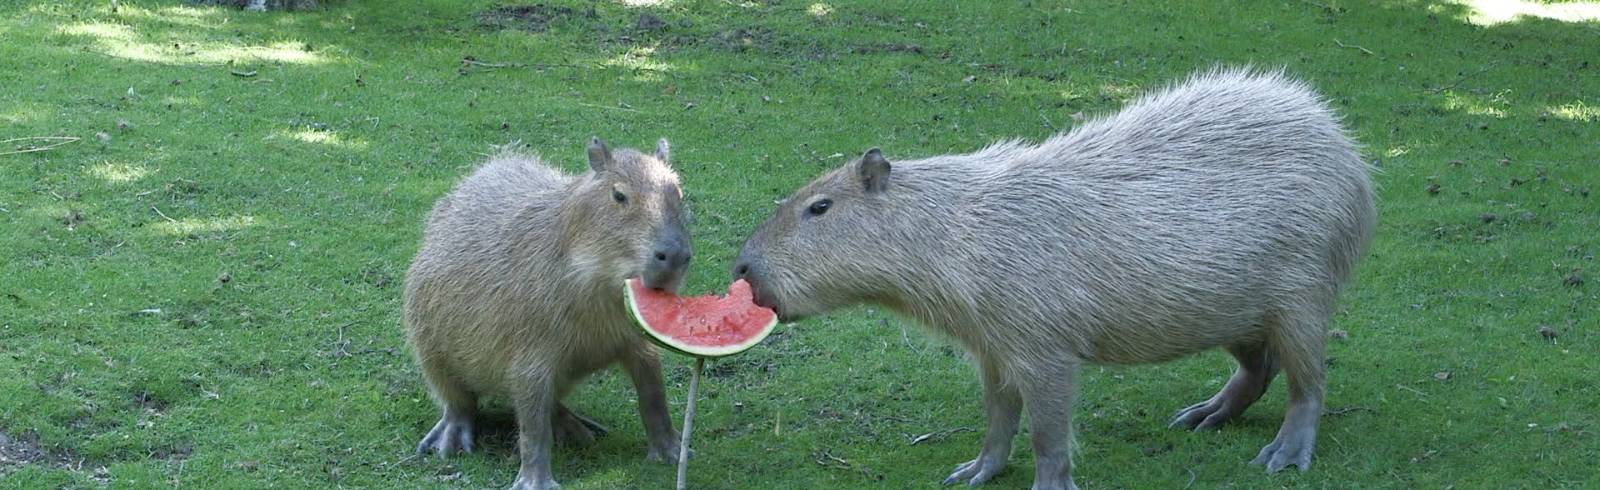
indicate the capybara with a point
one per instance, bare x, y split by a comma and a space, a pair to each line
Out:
1226, 211
517, 292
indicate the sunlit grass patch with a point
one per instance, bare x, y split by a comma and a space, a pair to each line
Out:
1492, 12
641, 60
1492, 106
118, 172
187, 226
320, 137
1576, 111
123, 41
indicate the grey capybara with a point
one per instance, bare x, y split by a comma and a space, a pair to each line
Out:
1225, 211
517, 292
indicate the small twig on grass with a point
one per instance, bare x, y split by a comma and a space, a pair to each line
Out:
1047, 122
1352, 46
58, 141
828, 455
340, 345
245, 74
620, 108
826, 459
163, 215
1463, 78
470, 62
1410, 389
937, 436
403, 460
1345, 410
904, 336
1192, 478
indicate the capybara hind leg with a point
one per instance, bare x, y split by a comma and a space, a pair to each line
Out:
1299, 344
1002, 404
1257, 367
453, 432
575, 430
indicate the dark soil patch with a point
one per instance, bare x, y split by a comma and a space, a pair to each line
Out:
755, 38
875, 48
148, 401
531, 18
376, 277
176, 453
183, 189
24, 450
266, 4
647, 22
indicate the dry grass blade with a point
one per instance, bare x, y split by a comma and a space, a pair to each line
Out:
57, 141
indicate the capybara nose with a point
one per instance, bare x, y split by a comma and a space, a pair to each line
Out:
741, 270
673, 258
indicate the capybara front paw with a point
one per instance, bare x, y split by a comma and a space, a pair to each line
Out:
666, 452
529, 483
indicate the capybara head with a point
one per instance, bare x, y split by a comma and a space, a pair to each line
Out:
829, 245
634, 217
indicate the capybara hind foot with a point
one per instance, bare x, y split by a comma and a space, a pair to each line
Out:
976, 472
576, 430
451, 435
1232, 400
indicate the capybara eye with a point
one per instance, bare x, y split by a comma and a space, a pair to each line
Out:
619, 196
819, 207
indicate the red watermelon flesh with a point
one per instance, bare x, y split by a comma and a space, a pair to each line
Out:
701, 326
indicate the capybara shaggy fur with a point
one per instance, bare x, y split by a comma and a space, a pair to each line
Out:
1227, 211
517, 292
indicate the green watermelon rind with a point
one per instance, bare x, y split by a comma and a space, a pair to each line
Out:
692, 351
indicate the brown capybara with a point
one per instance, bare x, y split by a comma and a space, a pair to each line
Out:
1225, 211
517, 292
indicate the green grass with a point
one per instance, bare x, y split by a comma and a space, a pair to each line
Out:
305, 184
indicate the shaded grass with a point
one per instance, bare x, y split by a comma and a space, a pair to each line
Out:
304, 186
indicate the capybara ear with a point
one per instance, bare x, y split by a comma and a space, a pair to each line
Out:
874, 171
599, 154
663, 151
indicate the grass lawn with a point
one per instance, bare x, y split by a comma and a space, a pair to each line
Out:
203, 289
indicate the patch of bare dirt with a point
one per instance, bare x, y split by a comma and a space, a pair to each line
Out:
18, 451
262, 4
531, 18
755, 38
892, 48
15, 452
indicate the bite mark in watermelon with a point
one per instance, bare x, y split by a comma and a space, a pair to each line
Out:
700, 326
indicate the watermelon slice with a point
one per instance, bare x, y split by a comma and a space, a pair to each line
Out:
700, 326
